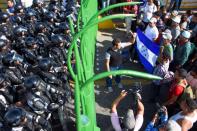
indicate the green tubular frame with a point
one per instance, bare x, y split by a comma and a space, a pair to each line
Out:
120, 72
84, 84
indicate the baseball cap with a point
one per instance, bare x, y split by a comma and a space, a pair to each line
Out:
129, 119
153, 20
176, 19
186, 34
167, 31
167, 36
175, 13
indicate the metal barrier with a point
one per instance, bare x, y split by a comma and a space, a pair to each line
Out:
84, 55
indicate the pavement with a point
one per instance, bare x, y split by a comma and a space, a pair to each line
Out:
104, 99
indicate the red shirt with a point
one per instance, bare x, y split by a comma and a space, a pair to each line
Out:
159, 38
176, 88
133, 8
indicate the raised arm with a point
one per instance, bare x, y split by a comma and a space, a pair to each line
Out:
140, 114
140, 108
131, 41
117, 101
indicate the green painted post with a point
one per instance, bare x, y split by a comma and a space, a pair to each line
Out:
87, 53
85, 100
84, 77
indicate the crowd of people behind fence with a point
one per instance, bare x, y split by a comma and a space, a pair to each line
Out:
175, 32
34, 81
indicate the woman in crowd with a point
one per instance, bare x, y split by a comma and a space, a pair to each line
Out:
192, 80
188, 116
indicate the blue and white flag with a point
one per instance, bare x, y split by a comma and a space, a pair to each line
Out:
148, 51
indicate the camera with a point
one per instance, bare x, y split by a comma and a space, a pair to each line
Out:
160, 109
136, 88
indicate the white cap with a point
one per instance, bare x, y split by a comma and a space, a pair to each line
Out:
153, 20
186, 34
167, 31
175, 13
167, 36
176, 19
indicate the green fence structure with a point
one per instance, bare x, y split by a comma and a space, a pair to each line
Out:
83, 75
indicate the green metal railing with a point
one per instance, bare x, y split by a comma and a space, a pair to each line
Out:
84, 91
119, 72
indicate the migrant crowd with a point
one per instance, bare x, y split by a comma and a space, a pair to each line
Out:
175, 32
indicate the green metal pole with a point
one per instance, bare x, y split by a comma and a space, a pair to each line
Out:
71, 25
81, 78
78, 20
120, 72
77, 89
77, 105
111, 7
70, 53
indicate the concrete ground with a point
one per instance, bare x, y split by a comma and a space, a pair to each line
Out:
104, 99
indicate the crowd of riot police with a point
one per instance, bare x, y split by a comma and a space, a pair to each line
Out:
34, 81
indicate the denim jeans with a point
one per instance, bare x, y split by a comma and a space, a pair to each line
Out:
172, 2
117, 77
105, 3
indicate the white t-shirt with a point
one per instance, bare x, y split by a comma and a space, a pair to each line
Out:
139, 119
151, 32
148, 12
27, 3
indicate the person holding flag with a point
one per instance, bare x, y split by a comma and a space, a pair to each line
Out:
114, 59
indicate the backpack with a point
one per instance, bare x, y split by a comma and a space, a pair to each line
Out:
187, 92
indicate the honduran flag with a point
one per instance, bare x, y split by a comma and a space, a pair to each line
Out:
148, 51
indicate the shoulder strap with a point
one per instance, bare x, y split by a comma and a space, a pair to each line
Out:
187, 86
182, 84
